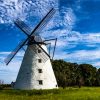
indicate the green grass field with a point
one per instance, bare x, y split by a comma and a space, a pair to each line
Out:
84, 93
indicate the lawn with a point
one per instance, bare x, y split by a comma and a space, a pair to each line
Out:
84, 93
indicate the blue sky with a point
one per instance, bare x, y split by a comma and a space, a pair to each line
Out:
75, 24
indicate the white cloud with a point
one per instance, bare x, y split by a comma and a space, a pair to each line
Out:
81, 56
85, 38
69, 17
72, 39
11, 9
4, 53
85, 55
96, 64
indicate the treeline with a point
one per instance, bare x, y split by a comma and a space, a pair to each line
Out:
5, 86
73, 74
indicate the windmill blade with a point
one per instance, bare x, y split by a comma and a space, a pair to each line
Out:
43, 22
28, 31
14, 52
25, 28
40, 26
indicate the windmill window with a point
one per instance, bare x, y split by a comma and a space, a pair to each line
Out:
39, 51
40, 60
40, 82
40, 70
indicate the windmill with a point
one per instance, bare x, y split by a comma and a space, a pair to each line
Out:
36, 70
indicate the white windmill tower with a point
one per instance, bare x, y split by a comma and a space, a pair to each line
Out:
36, 70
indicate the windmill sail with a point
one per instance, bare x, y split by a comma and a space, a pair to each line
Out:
14, 52
28, 31
25, 28
43, 22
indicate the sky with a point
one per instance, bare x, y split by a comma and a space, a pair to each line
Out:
75, 24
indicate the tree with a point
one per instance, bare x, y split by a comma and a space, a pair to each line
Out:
88, 73
97, 82
65, 72
72, 74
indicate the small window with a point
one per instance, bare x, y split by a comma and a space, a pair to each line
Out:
40, 82
39, 51
40, 70
40, 60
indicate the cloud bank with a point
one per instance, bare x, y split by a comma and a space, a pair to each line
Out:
11, 9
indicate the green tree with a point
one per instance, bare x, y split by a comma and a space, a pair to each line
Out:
97, 83
72, 74
88, 73
65, 73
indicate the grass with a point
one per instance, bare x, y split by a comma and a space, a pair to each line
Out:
84, 93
